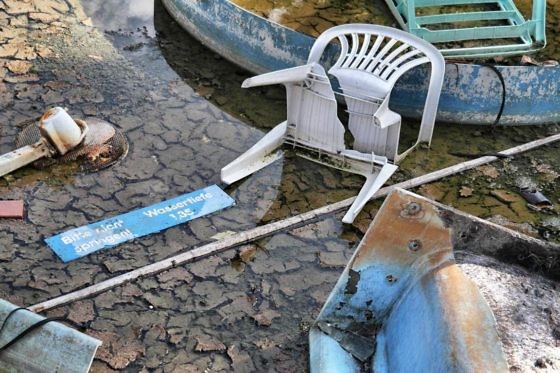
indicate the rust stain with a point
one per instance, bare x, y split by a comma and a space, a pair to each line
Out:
412, 210
390, 243
49, 113
469, 320
438, 257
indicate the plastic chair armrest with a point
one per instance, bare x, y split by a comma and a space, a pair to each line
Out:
285, 76
385, 117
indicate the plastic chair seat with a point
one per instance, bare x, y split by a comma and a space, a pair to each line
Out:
370, 60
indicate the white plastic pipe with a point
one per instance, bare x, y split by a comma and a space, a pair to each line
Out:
23, 156
61, 130
57, 128
274, 227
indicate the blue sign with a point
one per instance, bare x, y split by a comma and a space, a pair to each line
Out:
85, 240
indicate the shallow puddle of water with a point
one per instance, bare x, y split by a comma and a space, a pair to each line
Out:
108, 15
178, 143
219, 81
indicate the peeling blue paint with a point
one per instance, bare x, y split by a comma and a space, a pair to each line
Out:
410, 308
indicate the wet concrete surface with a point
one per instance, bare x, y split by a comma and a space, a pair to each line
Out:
185, 117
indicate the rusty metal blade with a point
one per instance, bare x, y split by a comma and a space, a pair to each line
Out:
403, 293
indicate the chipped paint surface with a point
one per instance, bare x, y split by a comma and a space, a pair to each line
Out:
249, 41
54, 347
403, 296
471, 93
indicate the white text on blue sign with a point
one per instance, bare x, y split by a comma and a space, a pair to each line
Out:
84, 240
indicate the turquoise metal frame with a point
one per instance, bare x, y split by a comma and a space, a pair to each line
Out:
518, 35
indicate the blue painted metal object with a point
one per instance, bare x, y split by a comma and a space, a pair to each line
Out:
403, 305
85, 240
53, 347
471, 94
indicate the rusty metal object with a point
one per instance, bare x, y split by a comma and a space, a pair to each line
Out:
101, 147
56, 137
403, 305
62, 132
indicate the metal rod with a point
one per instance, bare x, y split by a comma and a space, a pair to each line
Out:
23, 156
266, 230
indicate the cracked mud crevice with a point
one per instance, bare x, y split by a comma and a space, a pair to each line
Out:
184, 122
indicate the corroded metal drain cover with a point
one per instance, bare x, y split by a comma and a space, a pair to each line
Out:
102, 147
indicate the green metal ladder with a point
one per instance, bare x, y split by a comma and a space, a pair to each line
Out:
512, 35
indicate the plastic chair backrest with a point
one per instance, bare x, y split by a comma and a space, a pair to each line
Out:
372, 58
312, 106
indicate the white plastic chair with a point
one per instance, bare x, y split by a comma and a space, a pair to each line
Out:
371, 59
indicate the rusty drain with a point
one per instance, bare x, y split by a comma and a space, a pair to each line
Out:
102, 146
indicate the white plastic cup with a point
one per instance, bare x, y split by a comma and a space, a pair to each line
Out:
61, 130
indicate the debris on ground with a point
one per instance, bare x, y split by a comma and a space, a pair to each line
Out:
11, 209
206, 343
535, 198
117, 350
465, 191
174, 135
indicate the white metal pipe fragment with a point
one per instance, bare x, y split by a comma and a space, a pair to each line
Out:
23, 156
60, 134
266, 230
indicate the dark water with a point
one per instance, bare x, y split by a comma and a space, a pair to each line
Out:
179, 53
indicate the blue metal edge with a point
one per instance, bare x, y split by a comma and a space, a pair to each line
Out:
471, 93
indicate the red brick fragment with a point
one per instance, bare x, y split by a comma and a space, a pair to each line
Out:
11, 209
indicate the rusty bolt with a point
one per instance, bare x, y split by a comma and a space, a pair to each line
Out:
391, 279
414, 245
412, 209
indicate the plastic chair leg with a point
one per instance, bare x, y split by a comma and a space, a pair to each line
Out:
258, 156
373, 183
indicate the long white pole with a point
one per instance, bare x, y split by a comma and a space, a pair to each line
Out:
266, 230
23, 156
